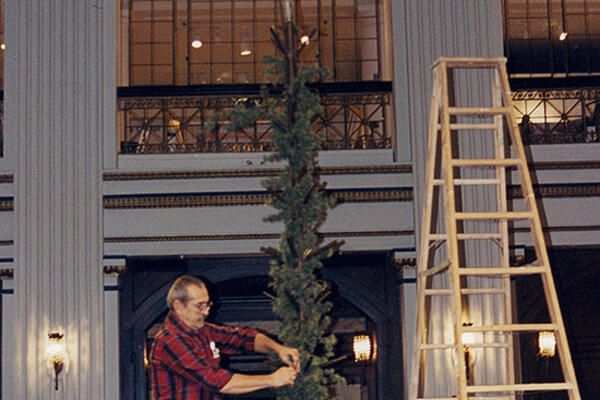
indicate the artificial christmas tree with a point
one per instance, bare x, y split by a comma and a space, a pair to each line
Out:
299, 197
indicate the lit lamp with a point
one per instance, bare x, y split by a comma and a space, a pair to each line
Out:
245, 46
468, 339
56, 353
305, 39
196, 42
361, 345
547, 344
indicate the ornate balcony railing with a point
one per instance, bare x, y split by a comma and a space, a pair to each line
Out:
177, 119
558, 116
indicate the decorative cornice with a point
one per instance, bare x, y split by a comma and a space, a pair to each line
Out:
6, 204
192, 200
581, 228
559, 190
114, 270
405, 263
246, 199
7, 273
6, 178
248, 236
253, 173
554, 165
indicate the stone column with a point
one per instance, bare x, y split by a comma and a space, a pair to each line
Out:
59, 87
423, 31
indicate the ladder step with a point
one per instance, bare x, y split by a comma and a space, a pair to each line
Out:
468, 236
520, 387
436, 398
435, 292
461, 182
445, 292
478, 236
482, 291
482, 162
491, 345
470, 62
469, 127
479, 110
437, 346
502, 271
494, 215
443, 346
511, 328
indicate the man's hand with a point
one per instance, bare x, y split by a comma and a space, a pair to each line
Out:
290, 356
283, 376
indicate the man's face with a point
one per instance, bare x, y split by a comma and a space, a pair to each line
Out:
194, 311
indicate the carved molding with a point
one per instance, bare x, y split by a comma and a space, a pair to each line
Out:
405, 263
252, 173
559, 190
114, 270
552, 165
248, 236
7, 273
581, 228
6, 204
225, 200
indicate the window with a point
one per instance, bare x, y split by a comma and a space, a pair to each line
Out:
192, 42
552, 38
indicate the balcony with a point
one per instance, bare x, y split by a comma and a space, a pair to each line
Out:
192, 119
558, 116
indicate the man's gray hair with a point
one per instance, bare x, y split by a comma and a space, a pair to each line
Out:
178, 290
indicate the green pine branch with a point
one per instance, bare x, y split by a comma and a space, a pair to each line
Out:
300, 203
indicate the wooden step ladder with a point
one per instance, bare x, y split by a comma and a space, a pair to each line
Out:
459, 183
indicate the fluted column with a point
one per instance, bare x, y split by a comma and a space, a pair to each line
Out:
55, 91
423, 32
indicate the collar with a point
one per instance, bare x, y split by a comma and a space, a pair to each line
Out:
174, 323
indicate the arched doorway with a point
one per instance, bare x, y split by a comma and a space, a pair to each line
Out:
364, 292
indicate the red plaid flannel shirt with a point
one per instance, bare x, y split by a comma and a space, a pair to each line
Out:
183, 362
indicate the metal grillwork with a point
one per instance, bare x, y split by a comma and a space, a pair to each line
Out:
558, 116
195, 124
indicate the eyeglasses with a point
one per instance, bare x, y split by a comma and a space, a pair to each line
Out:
202, 307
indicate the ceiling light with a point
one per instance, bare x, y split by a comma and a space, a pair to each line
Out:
196, 43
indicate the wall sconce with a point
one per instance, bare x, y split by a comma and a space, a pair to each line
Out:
547, 344
361, 345
305, 39
56, 352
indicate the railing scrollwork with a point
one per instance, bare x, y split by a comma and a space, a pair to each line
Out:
558, 116
193, 124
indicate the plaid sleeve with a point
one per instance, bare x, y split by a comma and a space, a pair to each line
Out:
179, 356
233, 340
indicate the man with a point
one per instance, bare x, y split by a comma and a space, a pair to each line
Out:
185, 353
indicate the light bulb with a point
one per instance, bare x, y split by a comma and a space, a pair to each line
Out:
196, 43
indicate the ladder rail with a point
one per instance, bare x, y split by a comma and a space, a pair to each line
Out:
419, 358
502, 198
566, 360
451, 232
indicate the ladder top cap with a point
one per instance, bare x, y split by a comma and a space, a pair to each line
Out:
469, 62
